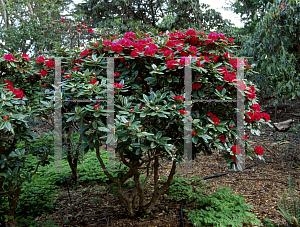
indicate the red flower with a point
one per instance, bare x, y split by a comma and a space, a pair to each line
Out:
18, 93
215, 57
193, 132
223, 70
266, 116
196, 86
134, 53
231, 126
258, 150
68, 76
5, 117
251, 95
241, 85
116, 74
251, 117
139, 46
236, 149
193, 50
44, 85
222, 138
90, 30
171, 44
7, 82
78, 28
84, 25
191, 32
209, 114
84, 53
142, 106
43, 73
129, 35
219, 88
26, 56
172, 64
96, 107
149, 51
255, 107
128, 67
40, 59
118, 85
167, 53
233, 157
215, 120
96, 44
10, 88
9, 57
179, 97
63, 19
229, 77
182, 111
194, 41
76, 69
227, 55
230, 39
107, 43
183, 60
245, 138
116, 47
257, 116
93, 81
50, 64
198, 63
126, 42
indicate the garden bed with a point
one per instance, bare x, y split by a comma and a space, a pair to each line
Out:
261, 186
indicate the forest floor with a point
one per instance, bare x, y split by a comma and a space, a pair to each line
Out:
261, 185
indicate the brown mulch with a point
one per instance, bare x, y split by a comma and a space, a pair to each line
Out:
261, 186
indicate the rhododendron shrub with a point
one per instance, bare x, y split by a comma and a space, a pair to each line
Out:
149, 103
17, 113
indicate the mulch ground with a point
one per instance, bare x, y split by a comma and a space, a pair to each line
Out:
261, 186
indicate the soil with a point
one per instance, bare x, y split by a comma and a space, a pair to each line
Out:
261, 185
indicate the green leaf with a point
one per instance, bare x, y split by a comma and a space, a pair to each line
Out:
152, 145
145, 98
96, 114
95, 125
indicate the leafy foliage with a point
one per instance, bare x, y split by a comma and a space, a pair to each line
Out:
275, 48
290, 208
146, 15
221, 208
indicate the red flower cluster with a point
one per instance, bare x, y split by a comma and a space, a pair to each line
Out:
26, 56
182, 111
50, 64
40, 59
213, 118
259, 150
236, 149
9, 57
93, 81
18, 93
42, 73
178, 98
196, 86
222, 138
96, 107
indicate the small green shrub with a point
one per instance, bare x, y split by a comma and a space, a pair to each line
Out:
37, 197
222, 208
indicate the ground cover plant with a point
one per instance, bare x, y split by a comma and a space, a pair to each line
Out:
156, 64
